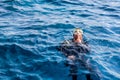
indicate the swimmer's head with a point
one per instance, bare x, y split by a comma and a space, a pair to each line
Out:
78, 31
77, 34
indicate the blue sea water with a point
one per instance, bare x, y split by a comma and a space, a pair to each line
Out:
30, 30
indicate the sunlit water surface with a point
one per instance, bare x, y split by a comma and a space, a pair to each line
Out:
30, 30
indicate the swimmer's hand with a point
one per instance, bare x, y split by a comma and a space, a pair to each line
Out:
72, 57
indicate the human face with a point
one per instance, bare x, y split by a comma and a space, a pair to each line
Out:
77, 35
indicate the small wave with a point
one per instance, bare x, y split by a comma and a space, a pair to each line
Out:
31, 29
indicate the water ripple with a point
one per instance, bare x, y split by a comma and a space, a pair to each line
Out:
30, 30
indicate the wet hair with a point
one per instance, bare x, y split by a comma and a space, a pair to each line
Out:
77, 30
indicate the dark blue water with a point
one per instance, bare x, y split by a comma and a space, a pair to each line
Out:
30, 30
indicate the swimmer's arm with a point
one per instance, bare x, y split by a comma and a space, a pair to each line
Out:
87, 45
59, 48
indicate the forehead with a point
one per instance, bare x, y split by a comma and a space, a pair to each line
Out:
77, 33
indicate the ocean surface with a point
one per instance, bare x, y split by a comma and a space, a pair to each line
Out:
31, 29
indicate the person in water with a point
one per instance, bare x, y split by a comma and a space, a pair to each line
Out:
78, 40
75, 49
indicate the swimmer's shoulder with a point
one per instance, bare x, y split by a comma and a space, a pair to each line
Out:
64, 44
67, 42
